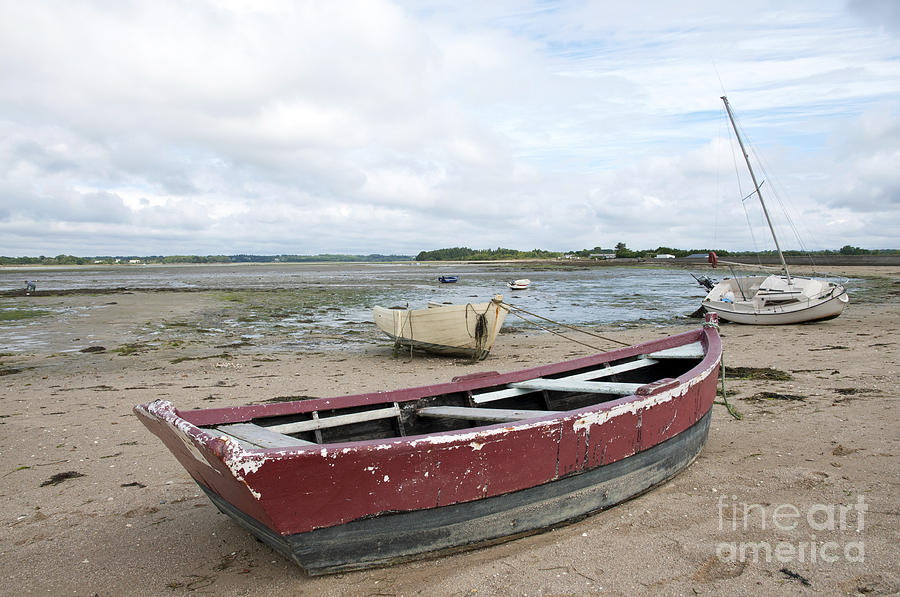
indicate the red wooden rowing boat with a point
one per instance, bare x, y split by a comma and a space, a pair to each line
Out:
372, 479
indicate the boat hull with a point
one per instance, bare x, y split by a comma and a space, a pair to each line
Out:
398, 537
339, 504
822, 311
767, 300
456, 330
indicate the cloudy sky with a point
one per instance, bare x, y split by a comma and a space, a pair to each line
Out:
371, 126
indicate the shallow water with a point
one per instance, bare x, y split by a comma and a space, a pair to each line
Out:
330, 305
577, 296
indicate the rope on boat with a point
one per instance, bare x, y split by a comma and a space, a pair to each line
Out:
480, 334
774, 268
518, 310
481, 331
731, 410
397, 342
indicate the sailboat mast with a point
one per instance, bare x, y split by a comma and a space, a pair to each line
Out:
756, 186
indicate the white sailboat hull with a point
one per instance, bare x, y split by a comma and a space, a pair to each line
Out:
770, 300
445, 329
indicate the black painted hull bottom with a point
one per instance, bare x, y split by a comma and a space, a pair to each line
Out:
402, 536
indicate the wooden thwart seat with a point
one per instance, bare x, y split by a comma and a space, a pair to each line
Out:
337, 420
516, 389
613, 370
688, 351
590, 387
488, 415
256, 436
498, 395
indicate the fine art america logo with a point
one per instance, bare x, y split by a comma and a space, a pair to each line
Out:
834, 523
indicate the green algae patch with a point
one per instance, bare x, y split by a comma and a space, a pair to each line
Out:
20, 314
223, 355
131, 348
766, 373
775, 396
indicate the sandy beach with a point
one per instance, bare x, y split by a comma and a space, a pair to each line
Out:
92, 503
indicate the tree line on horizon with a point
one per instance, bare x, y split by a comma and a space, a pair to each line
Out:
621, 251
180, 259
450, 254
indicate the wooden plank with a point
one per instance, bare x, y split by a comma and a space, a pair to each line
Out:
317, 432
243, 443
261, 437
586, 376
688, 351
337, 420
589, 387
610, 371
490, 415
498, 395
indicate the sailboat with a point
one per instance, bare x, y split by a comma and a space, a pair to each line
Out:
774, 299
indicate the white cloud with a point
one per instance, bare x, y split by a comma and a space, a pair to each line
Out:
372, 126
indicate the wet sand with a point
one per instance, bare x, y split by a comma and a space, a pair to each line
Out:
92, 503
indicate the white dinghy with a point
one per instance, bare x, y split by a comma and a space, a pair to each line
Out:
461, 330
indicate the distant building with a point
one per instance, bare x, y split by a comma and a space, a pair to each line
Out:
665, 256
602, 255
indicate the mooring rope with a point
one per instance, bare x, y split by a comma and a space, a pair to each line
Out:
515, 311
731, 410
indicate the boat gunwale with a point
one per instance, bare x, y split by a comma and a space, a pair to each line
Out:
195, 423
432, 309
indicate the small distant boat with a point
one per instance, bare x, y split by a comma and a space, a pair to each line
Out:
462, 330
448, 279
352, 482
775, 299
519, 284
